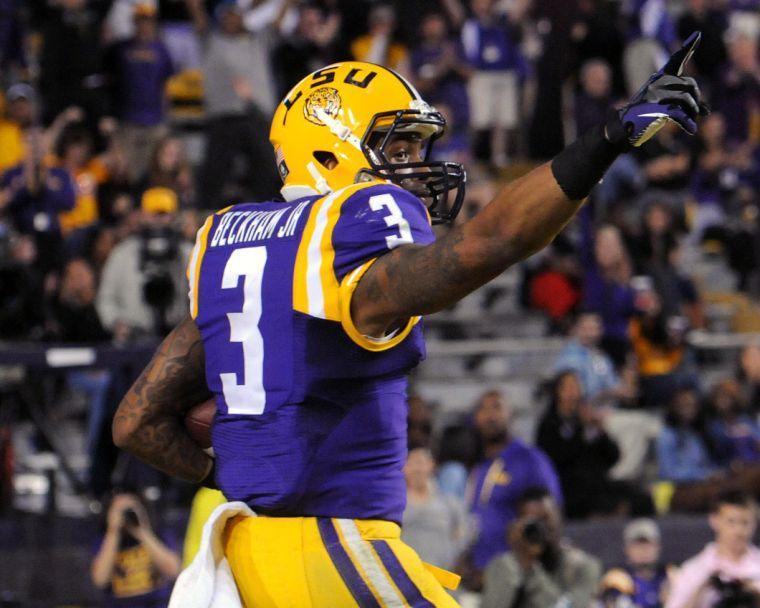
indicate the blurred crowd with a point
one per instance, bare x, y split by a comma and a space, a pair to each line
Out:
123, 122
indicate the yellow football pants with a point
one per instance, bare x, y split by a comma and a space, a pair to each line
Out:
315, 562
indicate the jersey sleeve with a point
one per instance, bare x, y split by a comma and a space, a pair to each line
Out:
372, 222
375, 220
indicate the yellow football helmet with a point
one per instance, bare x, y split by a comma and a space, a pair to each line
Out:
332, 129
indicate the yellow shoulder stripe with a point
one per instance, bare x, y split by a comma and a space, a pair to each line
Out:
347, 288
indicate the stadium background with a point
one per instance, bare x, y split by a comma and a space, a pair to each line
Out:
115, 141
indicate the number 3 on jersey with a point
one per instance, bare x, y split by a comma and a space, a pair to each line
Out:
248, 397
395, 218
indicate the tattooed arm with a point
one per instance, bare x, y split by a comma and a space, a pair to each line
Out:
415, 280
149, 421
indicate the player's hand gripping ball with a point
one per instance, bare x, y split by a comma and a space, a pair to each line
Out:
198, 422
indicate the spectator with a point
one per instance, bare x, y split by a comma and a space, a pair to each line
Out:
657, 254
74, 151
572, 434
592, 366
734, 435
738, 93
20, 114
510, 466
644, 580
310, 47
74, 320
440, 71
458, 451
133, 565
170, 168
143, 284
12, 36
606, 288
555, 288
139, 68
239, 97
682, 449
659, 343
666, 163
541, 569
595, 97
379, 45
727, 571
657, 237
71, 61
433, 524
36, 195
22, 311
683, 452
719, 167
704, 16
596, 35
651, 35
419, 423
492, 51
749, 375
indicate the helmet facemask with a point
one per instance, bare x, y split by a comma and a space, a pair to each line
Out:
440, 184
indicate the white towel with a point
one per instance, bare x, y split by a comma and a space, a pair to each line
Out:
207, 582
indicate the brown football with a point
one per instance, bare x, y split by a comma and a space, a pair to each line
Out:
198, 422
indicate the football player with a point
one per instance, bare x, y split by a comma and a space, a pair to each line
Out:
305, 320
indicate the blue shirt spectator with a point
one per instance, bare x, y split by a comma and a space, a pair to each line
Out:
581, 355
682, 455
681, 448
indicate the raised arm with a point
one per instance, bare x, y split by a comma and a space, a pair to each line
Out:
524, 216
149, 421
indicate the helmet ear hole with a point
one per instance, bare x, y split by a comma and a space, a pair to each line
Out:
326, 159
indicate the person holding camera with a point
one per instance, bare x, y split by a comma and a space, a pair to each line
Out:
726, 574
144, 277
133, 565
542, 570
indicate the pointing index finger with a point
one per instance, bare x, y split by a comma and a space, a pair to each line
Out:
680, 58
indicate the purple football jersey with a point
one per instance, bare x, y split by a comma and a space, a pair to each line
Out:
311, 416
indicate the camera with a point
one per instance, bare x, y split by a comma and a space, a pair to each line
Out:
159, 247
535, 532
130, 518
733, 594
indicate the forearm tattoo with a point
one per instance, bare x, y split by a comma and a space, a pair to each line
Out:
416, 280
149, 421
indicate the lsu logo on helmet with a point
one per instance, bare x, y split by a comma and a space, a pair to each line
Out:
322, 103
